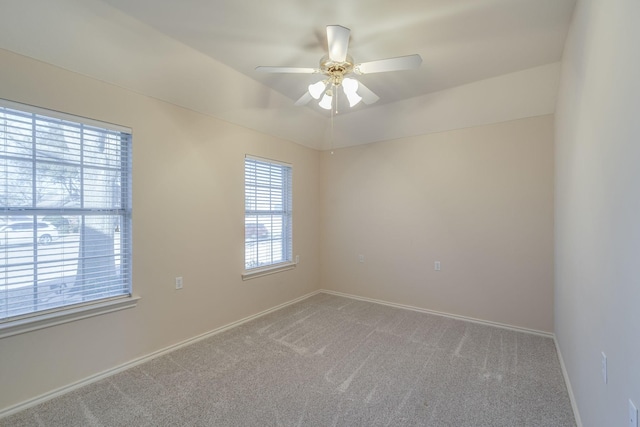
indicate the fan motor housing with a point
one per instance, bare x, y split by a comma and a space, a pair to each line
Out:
336, 70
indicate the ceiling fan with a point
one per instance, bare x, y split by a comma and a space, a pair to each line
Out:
337, 65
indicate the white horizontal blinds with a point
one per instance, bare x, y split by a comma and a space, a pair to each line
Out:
65, 220
267, 213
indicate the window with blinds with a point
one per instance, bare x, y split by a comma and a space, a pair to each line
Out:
65, 214
267, 219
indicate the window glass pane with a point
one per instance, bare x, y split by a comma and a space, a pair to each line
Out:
57, 185
57, 141
102, 148
16, 182
16, 132
101, 189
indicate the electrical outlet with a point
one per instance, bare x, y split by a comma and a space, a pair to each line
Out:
178, 282
297, 259
436, 266
604, 367
361, 258
633, 415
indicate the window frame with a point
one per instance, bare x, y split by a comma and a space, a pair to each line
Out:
286, 213
67, 312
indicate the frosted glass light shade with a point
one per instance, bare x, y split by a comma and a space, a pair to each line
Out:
350, 87
317, 89
326, 101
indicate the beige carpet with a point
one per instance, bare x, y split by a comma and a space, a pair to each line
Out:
332, 361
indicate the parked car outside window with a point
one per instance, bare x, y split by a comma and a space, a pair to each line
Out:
22, 233
64, 225
253, 231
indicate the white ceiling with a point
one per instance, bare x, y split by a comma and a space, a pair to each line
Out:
460, 41
190, 52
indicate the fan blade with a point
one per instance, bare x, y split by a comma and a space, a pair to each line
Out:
289, 70
338, 42
368, 97
304, 99
408, 62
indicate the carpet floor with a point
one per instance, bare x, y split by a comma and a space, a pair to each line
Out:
331, 361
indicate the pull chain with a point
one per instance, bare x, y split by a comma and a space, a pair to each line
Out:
334, 110
332, 134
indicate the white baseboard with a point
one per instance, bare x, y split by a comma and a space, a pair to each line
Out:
438, 313
565, 374
109, 372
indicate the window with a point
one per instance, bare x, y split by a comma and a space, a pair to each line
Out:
267, 216
65, 212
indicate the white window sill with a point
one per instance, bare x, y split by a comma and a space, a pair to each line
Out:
58, 317
259, 272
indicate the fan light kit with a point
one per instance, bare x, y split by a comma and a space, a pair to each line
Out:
337, 65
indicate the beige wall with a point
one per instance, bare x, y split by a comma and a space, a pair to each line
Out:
479, 200
598, 209
187, 221
521, 94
